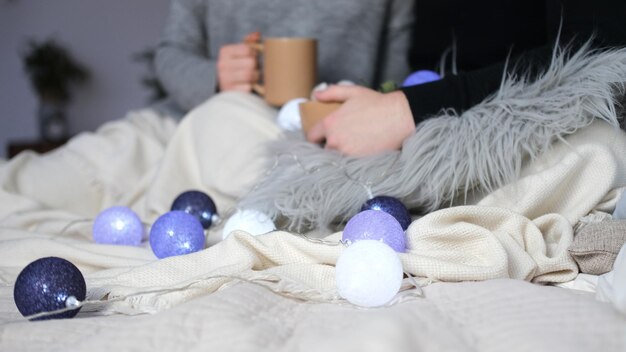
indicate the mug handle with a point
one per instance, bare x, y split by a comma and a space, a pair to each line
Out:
257, 87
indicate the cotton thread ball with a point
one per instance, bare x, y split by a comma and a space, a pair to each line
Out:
368, 273
118, 225
249, 220
375, 225
198, 204
421, 77
49, 284
391, 206
176, 233
289, 115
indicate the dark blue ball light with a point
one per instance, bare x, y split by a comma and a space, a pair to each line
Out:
198, 204
391, 206
176, 233
45, 285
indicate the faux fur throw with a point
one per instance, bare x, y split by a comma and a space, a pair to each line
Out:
448, 155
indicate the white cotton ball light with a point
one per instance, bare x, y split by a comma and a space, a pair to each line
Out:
289, 115
249, 220
620, 208
368, 273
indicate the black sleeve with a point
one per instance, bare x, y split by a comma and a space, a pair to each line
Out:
573, 21
464, 90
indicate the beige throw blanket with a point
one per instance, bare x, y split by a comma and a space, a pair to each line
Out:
520, 231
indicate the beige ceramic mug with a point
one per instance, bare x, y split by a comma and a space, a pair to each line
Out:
289, 69
312, 112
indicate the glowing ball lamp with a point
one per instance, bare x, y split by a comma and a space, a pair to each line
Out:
249, 220
289, 115
368, 273
118, 225
375, 225
176, 233
198, 204
49, 284
392, 206
421, 77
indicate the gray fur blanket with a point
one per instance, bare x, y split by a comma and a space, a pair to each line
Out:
448, 155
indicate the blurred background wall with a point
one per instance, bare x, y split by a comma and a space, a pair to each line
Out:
104, 36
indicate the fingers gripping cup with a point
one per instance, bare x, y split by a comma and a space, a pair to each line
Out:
312, 112
289, 69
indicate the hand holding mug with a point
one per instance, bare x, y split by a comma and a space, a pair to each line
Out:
366, 123
237, 65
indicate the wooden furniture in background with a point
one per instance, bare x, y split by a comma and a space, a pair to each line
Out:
39, 146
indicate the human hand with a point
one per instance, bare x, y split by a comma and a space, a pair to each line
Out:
237, 67
367, 123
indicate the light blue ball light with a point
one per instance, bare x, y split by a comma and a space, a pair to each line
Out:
118, 225
176, 233
421, 77
375, 225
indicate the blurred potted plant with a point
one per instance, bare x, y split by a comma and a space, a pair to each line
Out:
52, 71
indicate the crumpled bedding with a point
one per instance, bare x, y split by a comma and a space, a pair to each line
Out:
277, 291
495, 315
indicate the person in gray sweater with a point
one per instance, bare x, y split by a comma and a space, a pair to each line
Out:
202, 50
147, 159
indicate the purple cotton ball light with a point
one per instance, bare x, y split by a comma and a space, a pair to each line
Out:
392, 206
375, 225
420, 77
176, 233
49, 284
118, 225
198, 204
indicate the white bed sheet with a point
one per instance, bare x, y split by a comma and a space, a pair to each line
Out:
494, 315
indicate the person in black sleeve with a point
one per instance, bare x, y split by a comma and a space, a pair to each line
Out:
483, 39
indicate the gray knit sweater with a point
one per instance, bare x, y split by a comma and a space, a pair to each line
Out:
365, 41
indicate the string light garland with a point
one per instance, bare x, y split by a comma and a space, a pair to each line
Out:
48, 307
181, 231
72, 305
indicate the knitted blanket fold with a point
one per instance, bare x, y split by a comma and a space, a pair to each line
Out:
449, 155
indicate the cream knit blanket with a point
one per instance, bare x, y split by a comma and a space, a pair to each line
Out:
519, 231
